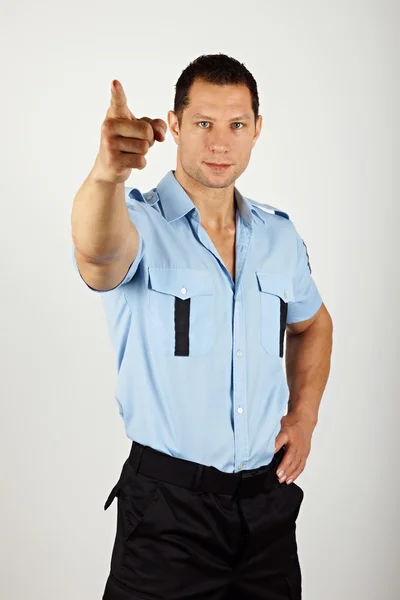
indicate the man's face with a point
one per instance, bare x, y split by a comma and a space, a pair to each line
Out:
217, 127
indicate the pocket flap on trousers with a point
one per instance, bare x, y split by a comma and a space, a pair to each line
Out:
118, 485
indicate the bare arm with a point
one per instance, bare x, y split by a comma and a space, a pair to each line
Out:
308, 355
105, 239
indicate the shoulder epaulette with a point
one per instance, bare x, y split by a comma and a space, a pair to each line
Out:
132, 192
272, 210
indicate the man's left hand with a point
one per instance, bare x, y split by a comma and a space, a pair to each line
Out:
296, 432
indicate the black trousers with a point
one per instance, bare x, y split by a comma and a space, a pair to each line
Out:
186, 531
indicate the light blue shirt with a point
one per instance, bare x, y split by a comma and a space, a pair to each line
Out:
200, 356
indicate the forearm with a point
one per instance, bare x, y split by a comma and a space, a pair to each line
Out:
99, 219
308, 356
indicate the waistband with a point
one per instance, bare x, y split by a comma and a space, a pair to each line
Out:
199, 477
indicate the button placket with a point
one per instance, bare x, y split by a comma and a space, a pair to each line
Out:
239, 377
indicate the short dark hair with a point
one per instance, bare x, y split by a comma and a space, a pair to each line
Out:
219, 69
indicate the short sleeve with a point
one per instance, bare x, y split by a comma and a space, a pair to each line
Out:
307, 299
134, 215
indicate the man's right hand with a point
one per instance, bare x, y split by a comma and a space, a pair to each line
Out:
124, 140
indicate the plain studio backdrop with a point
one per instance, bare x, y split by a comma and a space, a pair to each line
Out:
328, 79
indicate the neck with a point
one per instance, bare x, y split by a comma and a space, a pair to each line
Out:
217, 206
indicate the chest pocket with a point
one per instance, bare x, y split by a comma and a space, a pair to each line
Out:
181, 311
276, 290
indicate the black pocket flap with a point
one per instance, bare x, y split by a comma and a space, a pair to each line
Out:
118, 485
112, 495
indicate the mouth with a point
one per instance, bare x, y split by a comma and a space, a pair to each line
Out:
218, 167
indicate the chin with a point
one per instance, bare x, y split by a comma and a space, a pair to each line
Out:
216, 182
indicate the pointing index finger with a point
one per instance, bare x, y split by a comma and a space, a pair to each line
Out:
118, 103
118, 97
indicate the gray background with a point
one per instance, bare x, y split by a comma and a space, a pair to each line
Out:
328, 155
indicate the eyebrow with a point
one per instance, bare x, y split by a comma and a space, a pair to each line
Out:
244, 117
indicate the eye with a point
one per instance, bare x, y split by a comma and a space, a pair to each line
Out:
237, 123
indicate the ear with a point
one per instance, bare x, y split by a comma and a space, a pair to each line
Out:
258, 130
173, 125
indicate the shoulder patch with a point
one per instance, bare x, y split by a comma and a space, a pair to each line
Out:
272, 210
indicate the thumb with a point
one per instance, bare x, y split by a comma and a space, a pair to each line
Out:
280, 441
118, 104
159, 128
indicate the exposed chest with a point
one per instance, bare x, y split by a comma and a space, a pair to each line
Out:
225, 246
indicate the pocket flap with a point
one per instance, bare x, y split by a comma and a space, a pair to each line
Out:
120, 483
182, 283
112, 495
277, 284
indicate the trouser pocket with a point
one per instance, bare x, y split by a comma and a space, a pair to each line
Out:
136, 494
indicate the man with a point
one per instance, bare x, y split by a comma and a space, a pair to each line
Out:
200, 285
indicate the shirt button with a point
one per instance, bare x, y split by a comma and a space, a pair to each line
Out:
240, 410
285, 295
239, 353
240, 466
183, 290
149, 197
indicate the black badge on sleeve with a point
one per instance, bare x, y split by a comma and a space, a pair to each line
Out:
308, 258
284, 312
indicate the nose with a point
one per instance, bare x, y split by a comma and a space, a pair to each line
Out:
218, 144
218, 140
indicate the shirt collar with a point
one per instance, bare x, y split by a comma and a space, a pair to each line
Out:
176, 203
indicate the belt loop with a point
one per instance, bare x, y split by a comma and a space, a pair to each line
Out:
197, 477
141, 450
